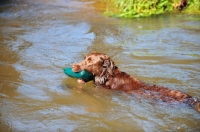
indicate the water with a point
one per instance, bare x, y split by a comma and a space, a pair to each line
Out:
39, 38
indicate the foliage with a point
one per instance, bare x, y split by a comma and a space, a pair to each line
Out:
193, 6
143, 8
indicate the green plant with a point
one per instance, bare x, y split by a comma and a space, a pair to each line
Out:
144, 8
193, 6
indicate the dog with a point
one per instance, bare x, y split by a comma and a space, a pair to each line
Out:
106, 74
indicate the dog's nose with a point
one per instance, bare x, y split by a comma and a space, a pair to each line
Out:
76, 68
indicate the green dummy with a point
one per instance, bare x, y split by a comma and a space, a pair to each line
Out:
84, 75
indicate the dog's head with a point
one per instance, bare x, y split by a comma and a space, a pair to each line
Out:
96, 63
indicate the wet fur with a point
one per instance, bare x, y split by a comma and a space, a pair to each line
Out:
108, 75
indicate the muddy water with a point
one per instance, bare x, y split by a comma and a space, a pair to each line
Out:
39, 38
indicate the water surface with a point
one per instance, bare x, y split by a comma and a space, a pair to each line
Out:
39, 38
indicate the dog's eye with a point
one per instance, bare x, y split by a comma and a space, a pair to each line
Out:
89, 59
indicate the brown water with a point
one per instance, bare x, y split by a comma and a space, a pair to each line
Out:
38, 38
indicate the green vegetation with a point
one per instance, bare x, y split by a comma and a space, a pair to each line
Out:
143, 8
193, 6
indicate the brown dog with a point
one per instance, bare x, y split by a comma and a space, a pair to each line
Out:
108, 75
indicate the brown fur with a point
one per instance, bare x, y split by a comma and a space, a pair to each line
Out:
108, 75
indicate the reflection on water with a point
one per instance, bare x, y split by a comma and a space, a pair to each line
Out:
39, 38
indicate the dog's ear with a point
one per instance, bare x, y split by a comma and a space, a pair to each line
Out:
108, 65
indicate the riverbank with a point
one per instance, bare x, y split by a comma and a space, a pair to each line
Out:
145, 8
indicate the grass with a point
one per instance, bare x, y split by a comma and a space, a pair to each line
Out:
193, 7
144, 8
